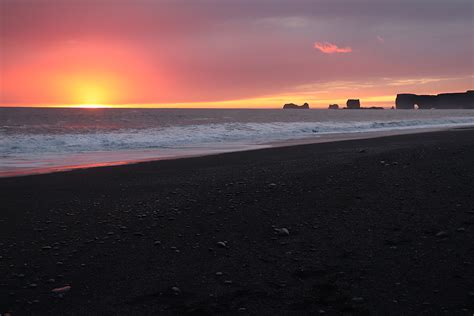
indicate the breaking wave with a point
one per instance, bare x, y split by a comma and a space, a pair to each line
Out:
201, 135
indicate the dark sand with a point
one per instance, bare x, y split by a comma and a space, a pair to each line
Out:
379, 226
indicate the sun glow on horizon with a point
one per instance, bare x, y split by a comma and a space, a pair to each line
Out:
90, 106
89, 93
80, 106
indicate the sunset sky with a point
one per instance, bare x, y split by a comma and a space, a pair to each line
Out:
230, 53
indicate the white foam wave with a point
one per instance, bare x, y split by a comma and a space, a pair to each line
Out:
201, 135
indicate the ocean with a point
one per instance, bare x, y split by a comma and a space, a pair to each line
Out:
38, 140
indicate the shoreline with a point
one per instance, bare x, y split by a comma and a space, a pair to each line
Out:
374, 225
202, 152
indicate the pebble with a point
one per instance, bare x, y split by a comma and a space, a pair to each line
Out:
219, 273
282, 231
46, 248
157, 243
176, 290
442, 234
61, 290
358, 299
461, 229
222, 244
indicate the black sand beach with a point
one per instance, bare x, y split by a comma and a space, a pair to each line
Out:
376, 226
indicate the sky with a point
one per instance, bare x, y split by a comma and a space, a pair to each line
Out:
230, 53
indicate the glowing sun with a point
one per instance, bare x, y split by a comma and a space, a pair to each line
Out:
90, 94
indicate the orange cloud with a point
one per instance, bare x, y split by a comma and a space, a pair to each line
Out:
329, 48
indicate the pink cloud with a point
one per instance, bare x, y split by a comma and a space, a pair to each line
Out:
329, 48
380, 39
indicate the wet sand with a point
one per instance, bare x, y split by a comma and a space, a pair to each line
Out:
372, 226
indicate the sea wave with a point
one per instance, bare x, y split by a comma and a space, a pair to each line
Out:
201, 135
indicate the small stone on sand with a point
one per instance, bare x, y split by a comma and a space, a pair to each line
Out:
61, 290
282, 231
442, 234
176, 290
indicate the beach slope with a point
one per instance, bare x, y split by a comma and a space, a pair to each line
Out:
381, 226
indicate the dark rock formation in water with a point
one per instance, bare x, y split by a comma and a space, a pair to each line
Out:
295, 106
333, 106
463, 100
373, 108
353, 104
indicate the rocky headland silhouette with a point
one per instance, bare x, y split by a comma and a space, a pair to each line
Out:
462, 100
457, 100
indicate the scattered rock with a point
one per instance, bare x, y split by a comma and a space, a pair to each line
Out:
222, 244
282, 231
442, 234
176, 290
60, 291
358, 299
47, 248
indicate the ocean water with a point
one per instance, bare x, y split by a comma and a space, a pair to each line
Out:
43, 140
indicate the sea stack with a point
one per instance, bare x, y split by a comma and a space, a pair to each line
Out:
296, 106
353, 104
333, 106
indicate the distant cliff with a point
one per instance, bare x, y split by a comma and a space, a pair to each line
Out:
295, 106
463, 100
